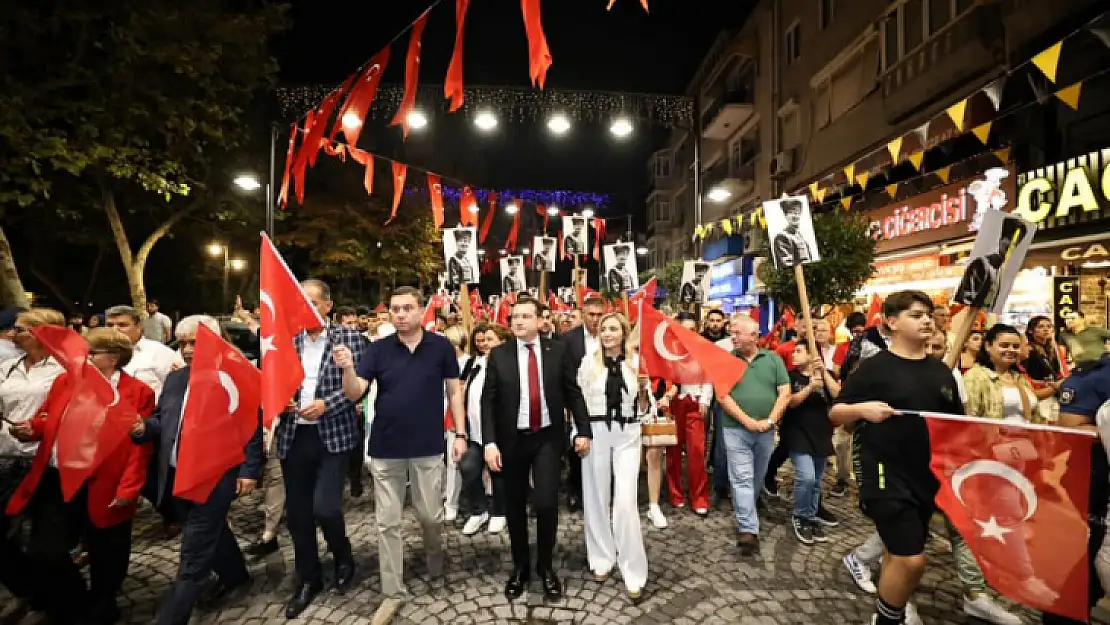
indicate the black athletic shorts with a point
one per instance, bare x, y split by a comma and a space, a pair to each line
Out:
903, 525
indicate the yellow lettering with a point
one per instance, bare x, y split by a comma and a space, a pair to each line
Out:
1096, 249
1076, 191
1040, 186
1071, 253
1106, 182
1067, 287
1066, 299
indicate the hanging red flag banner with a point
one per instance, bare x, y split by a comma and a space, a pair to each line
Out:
539, 55
352, 116
400, 171
489, 217
453, 85
468, 208
365, 159
435, 193
412, 76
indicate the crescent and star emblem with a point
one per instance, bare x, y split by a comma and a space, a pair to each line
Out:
991, 528
266, 342
232, 391
661, 346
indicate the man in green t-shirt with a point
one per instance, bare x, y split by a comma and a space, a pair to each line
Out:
752, 410
1086, 344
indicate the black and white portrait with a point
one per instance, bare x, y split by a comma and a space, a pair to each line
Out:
620, 266
543, 254
575, 237
790, 229
997, 256
512, 275
695, 282
461, 256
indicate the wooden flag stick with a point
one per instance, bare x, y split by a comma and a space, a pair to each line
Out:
543, 285
800, 278
464, 308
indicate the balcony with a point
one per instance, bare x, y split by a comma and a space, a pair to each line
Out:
728, 114
739, 181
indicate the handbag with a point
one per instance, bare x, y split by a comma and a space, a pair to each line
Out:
659, 431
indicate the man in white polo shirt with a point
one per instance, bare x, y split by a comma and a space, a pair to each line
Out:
152, 361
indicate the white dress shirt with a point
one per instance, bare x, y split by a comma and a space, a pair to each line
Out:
312, 360
54, 452
522, 419
22, 391
593, 343
151, 362
474, 401
592, 378
8, 351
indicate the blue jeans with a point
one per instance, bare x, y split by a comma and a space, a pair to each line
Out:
807, 484
748, 456
720, 462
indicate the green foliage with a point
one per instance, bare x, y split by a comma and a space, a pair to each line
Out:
670, 279
847, 253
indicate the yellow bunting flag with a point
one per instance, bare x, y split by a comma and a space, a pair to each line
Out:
916, 158
943, 173
892, 190
1070, 95
820, 197
982, 132
862, 178
849, 172
1049, 60
957, 112
709, 229
846, 202
698, 232
1002, 155
813, 188
895, 148
726, 225
753, 219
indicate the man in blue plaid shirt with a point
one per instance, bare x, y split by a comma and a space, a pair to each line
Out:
315, 438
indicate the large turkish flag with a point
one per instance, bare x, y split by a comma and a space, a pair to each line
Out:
286, 312
680, 356
1018, 495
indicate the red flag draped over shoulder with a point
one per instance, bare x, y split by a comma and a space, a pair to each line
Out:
286, 312
1019, 498
453, 85
539, 55
352, 117
680, 356
412, 76
435, 197
220, 416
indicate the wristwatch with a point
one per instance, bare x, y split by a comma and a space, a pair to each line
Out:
461, 435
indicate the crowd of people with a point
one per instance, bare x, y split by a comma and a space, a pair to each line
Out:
492, 425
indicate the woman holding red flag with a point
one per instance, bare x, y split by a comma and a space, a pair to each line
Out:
102, 509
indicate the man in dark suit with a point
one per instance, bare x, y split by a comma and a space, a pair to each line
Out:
530, 382
692, 291
207, 543
315, 437
581, 341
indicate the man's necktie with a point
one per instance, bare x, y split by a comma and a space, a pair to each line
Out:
534, 398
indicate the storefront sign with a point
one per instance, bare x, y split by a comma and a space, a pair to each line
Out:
726, 279
1065, 297
945, 213
1074, 190
916, 269
1070, 253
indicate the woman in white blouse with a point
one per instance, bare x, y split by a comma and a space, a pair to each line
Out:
617, 399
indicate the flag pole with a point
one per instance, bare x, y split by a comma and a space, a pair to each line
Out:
464, 308
800, 278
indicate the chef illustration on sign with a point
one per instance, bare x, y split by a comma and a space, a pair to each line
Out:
988, 194
461, 256
622, 267
791, 232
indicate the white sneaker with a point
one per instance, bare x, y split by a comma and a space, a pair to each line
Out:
912, 617
497, 525
450, 514
656, 516
860, 572
386, 611
474, 523
987, 609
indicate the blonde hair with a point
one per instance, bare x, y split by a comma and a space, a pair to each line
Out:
627, 342
111, 340
36, 317
457, 336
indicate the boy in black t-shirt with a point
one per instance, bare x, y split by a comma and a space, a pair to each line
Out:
891, 451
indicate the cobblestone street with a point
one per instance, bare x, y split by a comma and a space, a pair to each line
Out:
696, 577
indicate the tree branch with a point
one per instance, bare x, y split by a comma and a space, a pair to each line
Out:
164, 229
116, 224
53, 286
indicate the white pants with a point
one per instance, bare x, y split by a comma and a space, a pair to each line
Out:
452, 480
871, 551
613, 535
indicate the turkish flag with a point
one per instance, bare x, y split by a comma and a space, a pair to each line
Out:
412, 75
286, 312
400, 171
539, 55
505, 309
220, 416
365, 159
435, 195
645, 296
453, 84
290, 151
1018, 494
680, 356
875, 312
484, 232
352, 116
429, 320
468, 208
314, 140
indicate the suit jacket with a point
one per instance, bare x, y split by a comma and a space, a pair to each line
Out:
119, 476
620, 279
791, 249
163, 426
339, 425
460, 272
575, 341
501, 393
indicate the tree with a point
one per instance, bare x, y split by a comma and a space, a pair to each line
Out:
847, 253
133, 108
670, 280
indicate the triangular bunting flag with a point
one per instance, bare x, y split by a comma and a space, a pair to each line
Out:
895, 148
994, 92
892, 190
862, 178
1003, 155
850, 172
922, 133
943, 173
846, 202
813, 188
1049, 60
726, 225
1070, 95
982, 132
957, 112
916, 158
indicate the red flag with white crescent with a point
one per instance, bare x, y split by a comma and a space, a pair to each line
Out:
412, 76
453, 84
400, 171
645, 296
681, 356
352, 117
435, 196
468, 208
875, 311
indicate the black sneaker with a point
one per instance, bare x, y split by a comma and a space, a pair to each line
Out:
817, 532
771, 489
839, 489
826, 518
803, 530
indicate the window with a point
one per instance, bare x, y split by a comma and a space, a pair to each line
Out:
663, 208
912, 22
793, 43
826, 10
661, 167
821, 116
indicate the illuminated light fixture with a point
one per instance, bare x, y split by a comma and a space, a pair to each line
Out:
588, 213
504, 252
247, 182
526, 251
416, 120
485, 121
553, 210
558, 124
511, 208
215, 249
621, 127
481, 252
719, 194
473, 208
238, 264
641, 251
351, 120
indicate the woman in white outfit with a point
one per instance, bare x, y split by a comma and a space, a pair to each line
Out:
452, 479
616, 399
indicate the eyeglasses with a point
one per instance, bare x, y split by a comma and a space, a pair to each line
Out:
96, 352
20, 329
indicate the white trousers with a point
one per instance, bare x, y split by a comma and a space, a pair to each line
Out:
611, 516
452, 480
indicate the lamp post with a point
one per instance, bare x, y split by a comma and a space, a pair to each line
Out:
217, 250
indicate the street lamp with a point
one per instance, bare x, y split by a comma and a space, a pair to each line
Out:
416, 120
558, 124
588, 213
621, 127
511, 208
486, 121
238, 264
553, 211
351, 120
247, 182
718, 194
641, 251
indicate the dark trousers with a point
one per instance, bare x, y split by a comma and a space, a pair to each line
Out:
534, 456
165, 507
471, 467
13, 559
719, 459
778, 458
358, 454
207, 545
314, 496
57, 584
